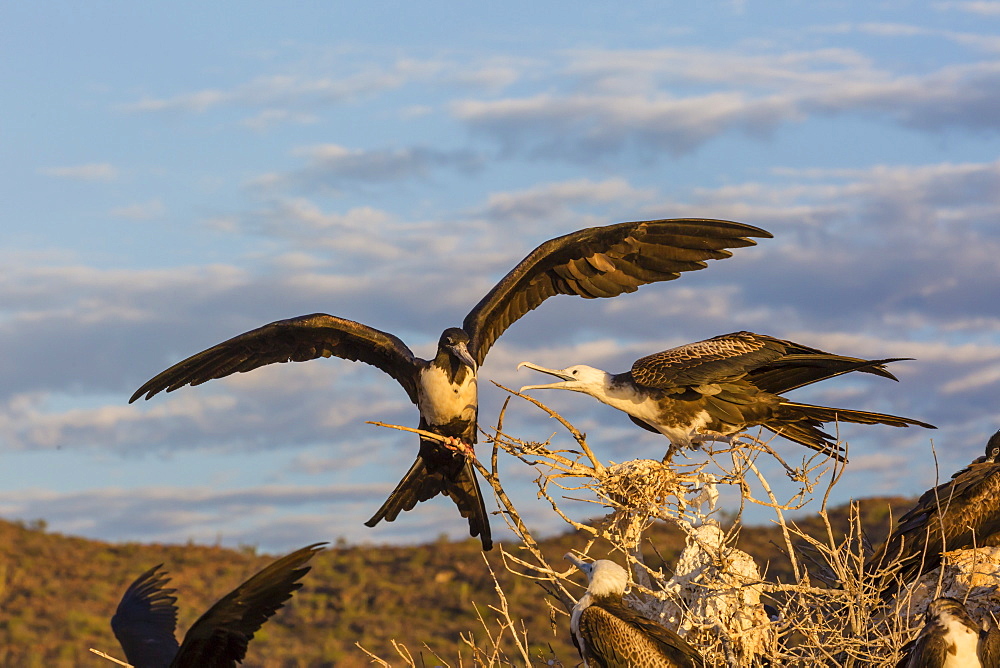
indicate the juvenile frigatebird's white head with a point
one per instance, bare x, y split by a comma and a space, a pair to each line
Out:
579, 378
455, 342
606, 577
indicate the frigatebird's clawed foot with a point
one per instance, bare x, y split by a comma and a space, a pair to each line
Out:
459, 446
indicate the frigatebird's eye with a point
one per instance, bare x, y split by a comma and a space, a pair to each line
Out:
996, 451
575, 371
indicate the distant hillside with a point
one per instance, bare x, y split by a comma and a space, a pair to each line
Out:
57, 593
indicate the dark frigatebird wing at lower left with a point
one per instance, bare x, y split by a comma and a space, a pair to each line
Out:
146, 617
594, 262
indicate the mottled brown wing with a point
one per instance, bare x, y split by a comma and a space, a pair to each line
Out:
971, 504
706, 362
602, 262
928, 651
299, 339
220, 637
618, 637
989, 646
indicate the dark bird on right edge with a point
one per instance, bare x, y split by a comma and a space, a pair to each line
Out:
610, 635
590, 263
959, 514
714, 389
950, 638
147, 617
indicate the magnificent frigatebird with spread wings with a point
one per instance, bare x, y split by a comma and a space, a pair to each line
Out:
610, 635
146, 618
959, 514
715, 388
594, 262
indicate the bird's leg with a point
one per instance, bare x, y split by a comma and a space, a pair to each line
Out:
459, 446
671, 451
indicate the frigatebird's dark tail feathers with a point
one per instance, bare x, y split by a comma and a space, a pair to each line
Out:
419, 484
802, 423
795, 371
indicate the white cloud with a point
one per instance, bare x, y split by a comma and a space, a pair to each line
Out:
551, 201
200, 514
982, 8
147, 210
267, 118
95, 171
330, 164
336, 83
656, 100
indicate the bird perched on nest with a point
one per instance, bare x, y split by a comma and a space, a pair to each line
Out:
713, 389
959, 514
950, 638
146, 618
594, 262
609, 635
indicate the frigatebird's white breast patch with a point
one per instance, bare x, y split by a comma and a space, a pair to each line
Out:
650, 409
964, 641
440, 401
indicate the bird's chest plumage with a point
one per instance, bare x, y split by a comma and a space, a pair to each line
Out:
443, 398
682, 421
965, 643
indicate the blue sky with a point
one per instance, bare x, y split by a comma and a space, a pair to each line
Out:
176, 174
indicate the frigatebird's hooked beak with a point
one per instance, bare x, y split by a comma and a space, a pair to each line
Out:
584, 566
558, 373
461, 351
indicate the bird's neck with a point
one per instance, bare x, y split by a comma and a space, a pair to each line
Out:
574, 620
454, 369
617, 391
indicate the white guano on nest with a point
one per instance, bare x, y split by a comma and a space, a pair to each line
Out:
971, 576
715, 595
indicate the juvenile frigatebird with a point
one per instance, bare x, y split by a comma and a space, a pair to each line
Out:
951, 638
594, 262
610, 635
715, 388
959, 514
147, 617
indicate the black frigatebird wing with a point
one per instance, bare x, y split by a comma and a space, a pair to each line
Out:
773, 365
602, 262
298, 339
220, 637
146, 619
989, 645
706, 362
961, 513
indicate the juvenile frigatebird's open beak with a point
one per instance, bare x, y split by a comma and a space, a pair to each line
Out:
558, 373
462, 352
